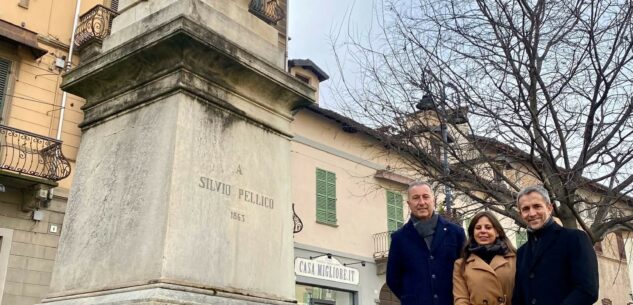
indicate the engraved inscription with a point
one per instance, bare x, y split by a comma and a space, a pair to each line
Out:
215, 186
238, 217
242, 194
256, 199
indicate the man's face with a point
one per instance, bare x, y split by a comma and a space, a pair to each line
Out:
421, 202
534, 210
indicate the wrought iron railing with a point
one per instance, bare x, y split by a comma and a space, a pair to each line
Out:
267, 10
381, 244
31, 154
94, 25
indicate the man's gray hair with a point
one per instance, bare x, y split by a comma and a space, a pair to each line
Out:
418, 183
534, 189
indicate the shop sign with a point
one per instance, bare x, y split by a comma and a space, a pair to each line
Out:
326, 269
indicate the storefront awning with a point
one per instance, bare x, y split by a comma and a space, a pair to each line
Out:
17, 34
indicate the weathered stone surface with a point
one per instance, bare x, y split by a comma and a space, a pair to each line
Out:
183, 175
230, 19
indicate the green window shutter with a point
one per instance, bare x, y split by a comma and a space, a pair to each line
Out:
5, 65
326, 196
521, 238
394, 211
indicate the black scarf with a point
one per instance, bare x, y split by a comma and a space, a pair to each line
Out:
488, 252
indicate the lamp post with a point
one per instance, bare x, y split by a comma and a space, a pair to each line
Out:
426, 100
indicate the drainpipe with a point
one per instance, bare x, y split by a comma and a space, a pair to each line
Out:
68, 64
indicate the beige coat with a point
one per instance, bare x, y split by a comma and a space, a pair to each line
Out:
483, 284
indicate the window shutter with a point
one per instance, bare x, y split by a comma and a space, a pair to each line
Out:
5, 65
394, 211
521, 238
326, 196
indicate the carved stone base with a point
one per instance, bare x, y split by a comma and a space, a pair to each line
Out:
161, 294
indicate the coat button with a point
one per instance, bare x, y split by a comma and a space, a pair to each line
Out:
533, 301
435, 296
432, 276
431, 257
531, 275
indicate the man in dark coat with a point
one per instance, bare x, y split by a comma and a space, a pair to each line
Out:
423, 251
557, 266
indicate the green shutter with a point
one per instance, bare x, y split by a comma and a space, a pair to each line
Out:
326, 196
521, 238
394, 211
4, 82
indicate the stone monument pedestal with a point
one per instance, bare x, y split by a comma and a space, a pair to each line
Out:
181, 193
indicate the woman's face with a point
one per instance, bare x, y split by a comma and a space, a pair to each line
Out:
485, 233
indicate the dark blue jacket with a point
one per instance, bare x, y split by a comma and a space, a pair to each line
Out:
418, 276
562, 271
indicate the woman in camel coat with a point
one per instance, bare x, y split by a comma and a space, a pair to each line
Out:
485, 273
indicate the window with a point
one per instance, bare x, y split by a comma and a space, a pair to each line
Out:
326, 197
5, 66
303, 78
394, 211
621, 248
314, 295
521, 237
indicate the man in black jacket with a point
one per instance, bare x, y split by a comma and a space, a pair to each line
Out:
557, 266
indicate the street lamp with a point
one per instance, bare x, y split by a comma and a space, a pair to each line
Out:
426, 101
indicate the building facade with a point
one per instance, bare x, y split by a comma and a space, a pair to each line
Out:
348, 190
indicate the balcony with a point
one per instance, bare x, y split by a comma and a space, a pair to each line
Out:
382, 241
381, 244
94, 26
33, 163
26, 153
268, 10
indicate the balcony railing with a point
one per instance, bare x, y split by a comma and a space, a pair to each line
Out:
94, 25
31, 154
381, 244
267, 10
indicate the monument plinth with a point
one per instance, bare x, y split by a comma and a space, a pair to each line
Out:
182, 186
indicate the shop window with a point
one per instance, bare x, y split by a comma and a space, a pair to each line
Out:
326, 197
394, 211
313, 295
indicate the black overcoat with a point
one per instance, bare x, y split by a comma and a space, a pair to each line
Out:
562, 271
419, 276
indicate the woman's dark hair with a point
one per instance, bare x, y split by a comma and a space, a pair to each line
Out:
471, 235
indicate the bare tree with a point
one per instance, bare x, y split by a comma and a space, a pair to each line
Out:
547, 85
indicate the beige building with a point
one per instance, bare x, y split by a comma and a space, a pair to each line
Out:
348, 190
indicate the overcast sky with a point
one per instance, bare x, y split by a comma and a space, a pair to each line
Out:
312, 27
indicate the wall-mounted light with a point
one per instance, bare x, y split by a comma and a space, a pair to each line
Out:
362, 263
329, 256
